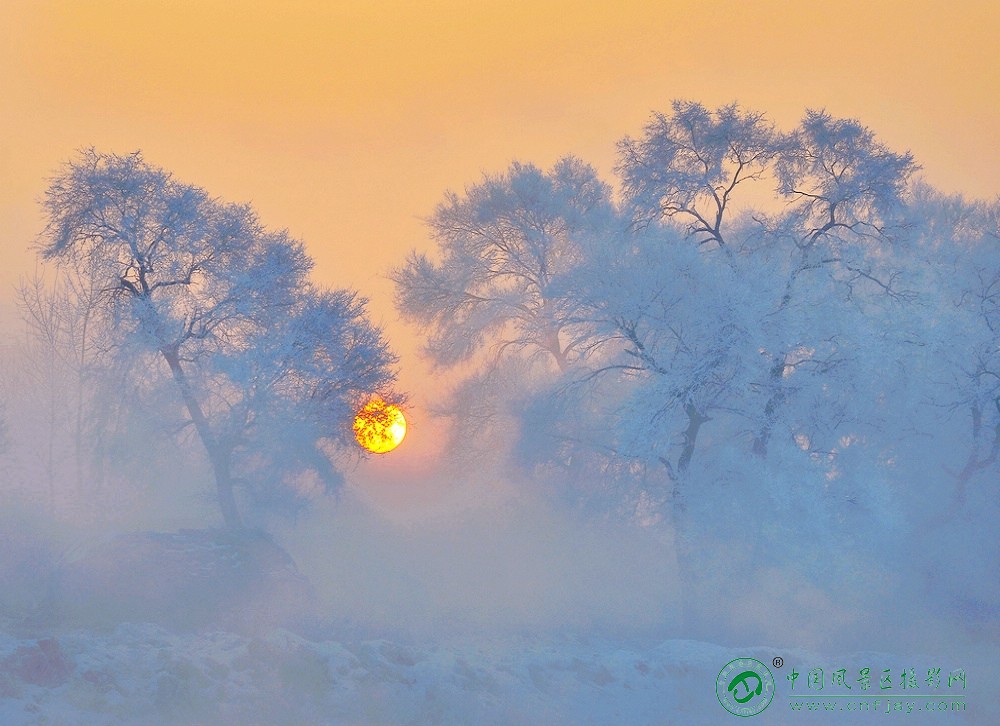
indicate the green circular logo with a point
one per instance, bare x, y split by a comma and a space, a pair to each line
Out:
745, 687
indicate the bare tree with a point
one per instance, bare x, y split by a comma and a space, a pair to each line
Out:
62, 315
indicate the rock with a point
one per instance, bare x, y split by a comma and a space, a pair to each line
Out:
41, 664
188, 580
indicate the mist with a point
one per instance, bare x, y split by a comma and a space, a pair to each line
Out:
501, 566
648, 446
447, 583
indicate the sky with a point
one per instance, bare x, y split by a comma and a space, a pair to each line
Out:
346, 122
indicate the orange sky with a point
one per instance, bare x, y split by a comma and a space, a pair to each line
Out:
345, 122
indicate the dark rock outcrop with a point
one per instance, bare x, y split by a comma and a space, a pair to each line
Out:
188, 580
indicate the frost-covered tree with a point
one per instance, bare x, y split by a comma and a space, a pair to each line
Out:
689, 165
499, 290
977, 381
840, 177
842, 192
834, 245
958, 361
681, 316
675, 324
825, 365
200, 292
792, 332
507, 248
294, 383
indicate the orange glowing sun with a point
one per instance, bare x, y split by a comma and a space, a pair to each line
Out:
379, 426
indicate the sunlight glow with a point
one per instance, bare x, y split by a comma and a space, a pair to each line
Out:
379, 427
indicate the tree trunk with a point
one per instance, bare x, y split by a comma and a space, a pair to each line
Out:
50, 461
974, 462
81, 365
679, 518
770, 408
686, 574
217, 453
695, 420
224, 489
550, 338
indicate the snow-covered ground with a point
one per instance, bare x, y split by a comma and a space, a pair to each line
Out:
144, 674
533, 620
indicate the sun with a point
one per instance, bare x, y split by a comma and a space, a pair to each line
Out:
379, 426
